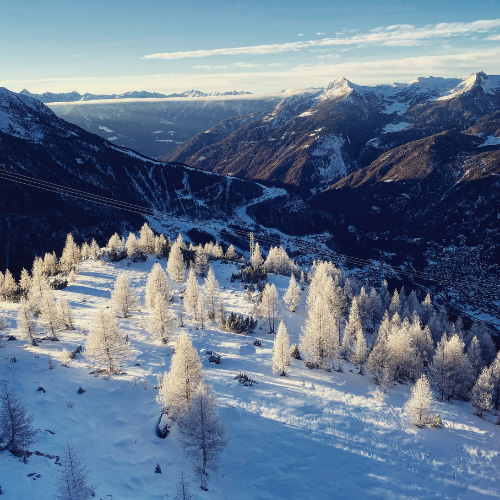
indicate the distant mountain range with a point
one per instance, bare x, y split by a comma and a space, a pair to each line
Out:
74, 96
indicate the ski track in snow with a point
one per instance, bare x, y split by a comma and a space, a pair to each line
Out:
310, 435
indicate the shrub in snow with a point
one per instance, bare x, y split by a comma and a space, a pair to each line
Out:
295, 353
65, 358
238, 323
244, 379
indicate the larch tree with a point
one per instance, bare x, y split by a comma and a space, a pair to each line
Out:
65, 313
123, 298
231, 253
49, 316
70, 256
50, 264
176, 265
16, 430
201, 310
94, 251
201, 262
147, 239
281, 350
24, 282
106, 345
177, 387
201, 435
161, 246
475, 357
26, 326
268, 308
157, 284
191, 294
292, 295
212, 294
419, 404
161, 320
74, 477
355, 328
10, 288
133, 248
256, 259
481, 394
115, 244
318, 341
183, 491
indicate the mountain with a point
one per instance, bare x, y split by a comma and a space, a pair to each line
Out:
310, 140
36, 143
155, 127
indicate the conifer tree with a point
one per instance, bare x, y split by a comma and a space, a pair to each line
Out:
85, 251
106, 344
231, 253
395, 305
157, 284
114, 244
94, 251
481, 394
133, 248
191, 294
183, 492
269, 307
65, 313
161, 246
495, 377
201, 311
175, 264
354, 328
49, 316
146, 239
212, 294
39, 286
26, 327
24, 282
16, 431
419, 404
70, 255
177, 388
201, 262
318, 341
256, 260
292, 295
123, 298
10, 288
161, 321
281, 350
475, 358
50, 264
74, 477
201, 436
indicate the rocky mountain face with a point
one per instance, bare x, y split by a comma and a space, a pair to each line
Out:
36, 143
309, 141
156, 126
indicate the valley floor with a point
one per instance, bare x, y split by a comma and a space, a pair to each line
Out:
309, 435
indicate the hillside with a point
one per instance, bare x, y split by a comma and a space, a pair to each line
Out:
306, 434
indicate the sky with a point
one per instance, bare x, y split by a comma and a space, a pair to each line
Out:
261, 46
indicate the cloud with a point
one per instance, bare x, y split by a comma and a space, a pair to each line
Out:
319, 33
401, 35
300, 34
208, 67
493, 38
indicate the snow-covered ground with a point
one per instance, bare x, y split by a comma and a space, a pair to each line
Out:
309, 435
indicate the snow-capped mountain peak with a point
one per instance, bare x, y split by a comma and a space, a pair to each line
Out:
341, 87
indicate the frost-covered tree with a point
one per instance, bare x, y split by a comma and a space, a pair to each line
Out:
49, 315
24, 282
39, 286
279, 262
123, 298
133, 248
65, 358
65, 313
354, 328
268, 308
106, 345
318, 341
176, 265
201, 435
475, 358
85, 251
162, 320
481, 394
495, 376
16, 430
201, 310
177, 387
212, 294
70, 256
191, 294
147, 239
115, 243
94, 250
201, 262
380, 364
183, 491
292, 295
26, 327
9, 287
256, 259
419, 404
231, 253
157, 284
395, 305
161, 246
450, 369
74, 477
281, 350
50, 264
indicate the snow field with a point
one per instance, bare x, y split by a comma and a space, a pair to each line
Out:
309, 435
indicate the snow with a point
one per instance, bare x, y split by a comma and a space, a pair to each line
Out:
106, 129
330, 147
302, 436
491, 140
395, 127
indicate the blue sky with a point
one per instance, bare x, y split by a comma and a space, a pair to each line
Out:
260, 46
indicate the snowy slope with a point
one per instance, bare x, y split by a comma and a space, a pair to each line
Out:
310, 435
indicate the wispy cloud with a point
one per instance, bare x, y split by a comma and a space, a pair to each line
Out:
494, 38
397, 35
